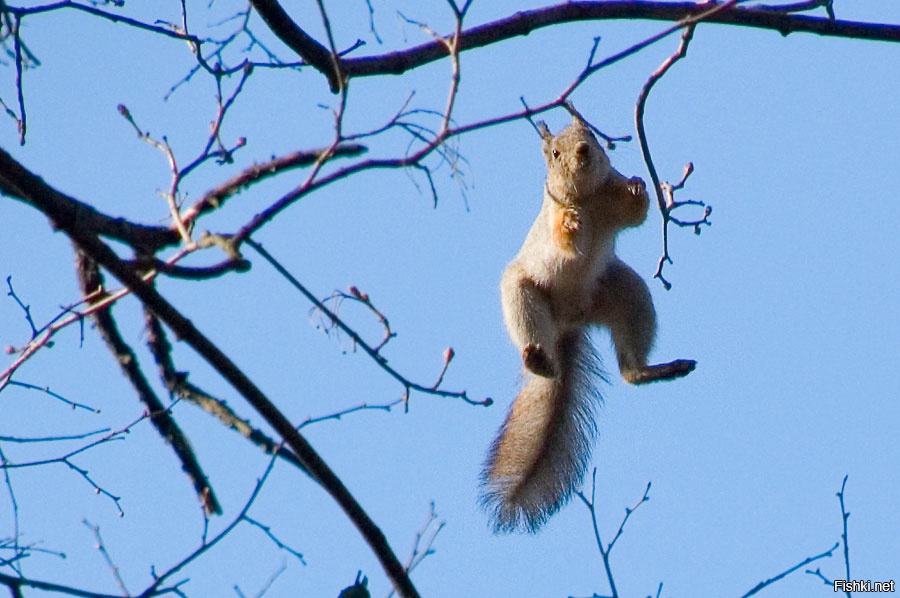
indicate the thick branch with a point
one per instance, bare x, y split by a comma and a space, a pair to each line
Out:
299, 41
90, 279
523, 23
67, 212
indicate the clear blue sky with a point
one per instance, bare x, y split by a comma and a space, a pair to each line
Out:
788, 302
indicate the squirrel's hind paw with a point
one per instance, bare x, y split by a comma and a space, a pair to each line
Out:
659, 372
537, 362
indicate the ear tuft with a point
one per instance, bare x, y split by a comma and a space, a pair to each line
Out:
577, 119
544, 131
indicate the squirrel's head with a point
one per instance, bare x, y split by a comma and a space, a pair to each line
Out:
576, 163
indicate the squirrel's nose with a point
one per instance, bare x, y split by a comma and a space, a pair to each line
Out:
582, 148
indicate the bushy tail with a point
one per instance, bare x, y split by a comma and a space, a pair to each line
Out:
542, 451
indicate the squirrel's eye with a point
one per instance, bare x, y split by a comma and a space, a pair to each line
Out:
556, 153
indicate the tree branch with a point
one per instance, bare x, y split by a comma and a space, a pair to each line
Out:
524, 22
90, 280
67, 212
186, 331
314, 53
372, 352
15, 584
786, 572
177, 383
216, 197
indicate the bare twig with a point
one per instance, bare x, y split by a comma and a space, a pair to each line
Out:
101, 546
14, 504
46, 390
339, 414
157, 587
20, 93
268, 532
818, 573
98, 300
25, 308
844, 517
354, 294
94, 11
786, 572
221, 153
267, 585
664, 207
44, 439
371, 351
423, 545
605, 550
66, 460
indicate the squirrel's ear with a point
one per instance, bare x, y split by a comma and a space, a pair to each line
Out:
577, 119
544, 131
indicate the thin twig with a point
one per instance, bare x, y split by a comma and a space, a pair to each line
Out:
268, 532
157, 587
97, 300
66, 460
844, 517
101, 546
46, 390
818, 573
606, 550
377, 357
20, 93
14, 503
423, 544
339, 414
666, 207
786, 572
25, 308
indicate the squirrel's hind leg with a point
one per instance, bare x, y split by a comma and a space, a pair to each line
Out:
529, 320
621, 301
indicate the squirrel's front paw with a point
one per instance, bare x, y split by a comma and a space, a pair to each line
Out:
536, 361
564, 226
636, 186
570, 222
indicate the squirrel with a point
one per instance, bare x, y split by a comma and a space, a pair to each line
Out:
566, 278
